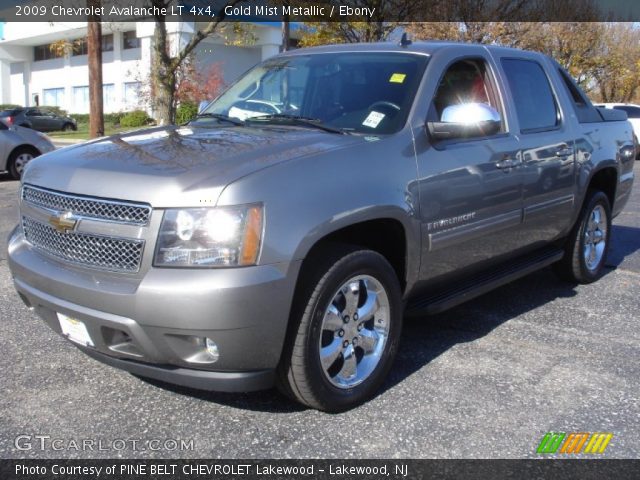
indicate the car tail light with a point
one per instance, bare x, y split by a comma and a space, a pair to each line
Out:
10, 120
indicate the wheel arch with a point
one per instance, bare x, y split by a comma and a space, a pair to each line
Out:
385, 234
604, 179
25, 146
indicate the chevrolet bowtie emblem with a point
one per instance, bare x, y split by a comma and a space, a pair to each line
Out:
63, 222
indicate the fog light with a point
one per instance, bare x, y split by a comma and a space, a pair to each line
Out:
212, 349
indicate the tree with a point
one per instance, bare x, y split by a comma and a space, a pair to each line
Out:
167, 59
198, 84
618, 77
94, 52
375, 29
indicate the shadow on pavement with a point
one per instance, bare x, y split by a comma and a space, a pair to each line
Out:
5, 177
627, 242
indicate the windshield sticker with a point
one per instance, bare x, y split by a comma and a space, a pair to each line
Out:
373, 119
398, 78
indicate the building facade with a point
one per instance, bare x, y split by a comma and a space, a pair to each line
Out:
32, 72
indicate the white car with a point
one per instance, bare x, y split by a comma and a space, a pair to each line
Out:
633, 115
18, 146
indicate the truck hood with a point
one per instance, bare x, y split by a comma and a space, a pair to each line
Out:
176, 166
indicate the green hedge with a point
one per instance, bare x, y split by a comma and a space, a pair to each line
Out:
8, 106
112, 118
186, 111
136, 118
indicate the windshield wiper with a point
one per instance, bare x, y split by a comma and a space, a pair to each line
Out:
298, 120
220, 116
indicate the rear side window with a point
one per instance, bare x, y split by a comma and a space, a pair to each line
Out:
534, 101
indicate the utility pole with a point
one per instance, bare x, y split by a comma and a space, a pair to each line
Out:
286, 31
94, 50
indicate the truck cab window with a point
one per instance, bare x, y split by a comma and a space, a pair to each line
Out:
466, 81
532, 95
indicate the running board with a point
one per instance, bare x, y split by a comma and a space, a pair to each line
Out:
482, 283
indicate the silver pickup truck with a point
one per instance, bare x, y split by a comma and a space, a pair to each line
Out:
282, 236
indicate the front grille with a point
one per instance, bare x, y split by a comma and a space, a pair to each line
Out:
89, 250
98, 208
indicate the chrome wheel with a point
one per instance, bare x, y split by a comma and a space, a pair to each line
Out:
595, 237
21, 162
354, 331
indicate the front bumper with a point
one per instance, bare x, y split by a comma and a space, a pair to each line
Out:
153, 324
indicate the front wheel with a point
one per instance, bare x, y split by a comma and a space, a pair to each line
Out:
587, 246
67, 127
345, 330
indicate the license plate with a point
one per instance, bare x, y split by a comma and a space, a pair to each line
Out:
75, 330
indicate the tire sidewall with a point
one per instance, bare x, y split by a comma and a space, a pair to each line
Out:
598, 198
13, 171
363, 263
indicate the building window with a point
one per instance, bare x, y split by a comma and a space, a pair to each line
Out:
80, 46
45, 52
131, 93
108, 95
81, 97
53, 97
130, 40
107, 43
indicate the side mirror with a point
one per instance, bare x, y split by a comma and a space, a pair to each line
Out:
465, 120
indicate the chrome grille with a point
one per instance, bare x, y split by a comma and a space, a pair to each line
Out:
89, 250
113, 211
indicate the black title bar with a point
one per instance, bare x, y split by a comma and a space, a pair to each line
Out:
583, 469
320, 10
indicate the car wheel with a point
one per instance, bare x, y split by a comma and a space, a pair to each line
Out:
344, 331
19, 159
67, 127
587, 246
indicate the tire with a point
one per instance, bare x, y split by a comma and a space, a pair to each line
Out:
19, 159
324, 348
587, 246
67, 127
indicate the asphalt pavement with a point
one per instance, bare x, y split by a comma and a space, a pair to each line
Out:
485, 380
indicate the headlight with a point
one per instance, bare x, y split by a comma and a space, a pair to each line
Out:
210, 237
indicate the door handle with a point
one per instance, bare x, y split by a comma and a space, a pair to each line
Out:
564, 151
507, 163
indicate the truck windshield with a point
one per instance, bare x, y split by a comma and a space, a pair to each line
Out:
350, 92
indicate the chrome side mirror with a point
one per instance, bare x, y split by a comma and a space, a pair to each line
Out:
466, 120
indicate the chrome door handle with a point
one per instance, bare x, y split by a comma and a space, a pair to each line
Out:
564, 151
507, 163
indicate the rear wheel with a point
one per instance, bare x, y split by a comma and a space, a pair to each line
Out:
587, 246
345, 331
19, 159
67, 127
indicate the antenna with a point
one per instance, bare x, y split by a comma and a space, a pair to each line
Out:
405, 41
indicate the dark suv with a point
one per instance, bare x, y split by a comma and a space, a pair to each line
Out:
38, 119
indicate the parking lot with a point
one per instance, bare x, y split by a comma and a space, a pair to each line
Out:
485, 380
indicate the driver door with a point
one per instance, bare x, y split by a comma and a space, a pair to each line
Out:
469, 189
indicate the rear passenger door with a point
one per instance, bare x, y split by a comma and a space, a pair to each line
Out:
547, 149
